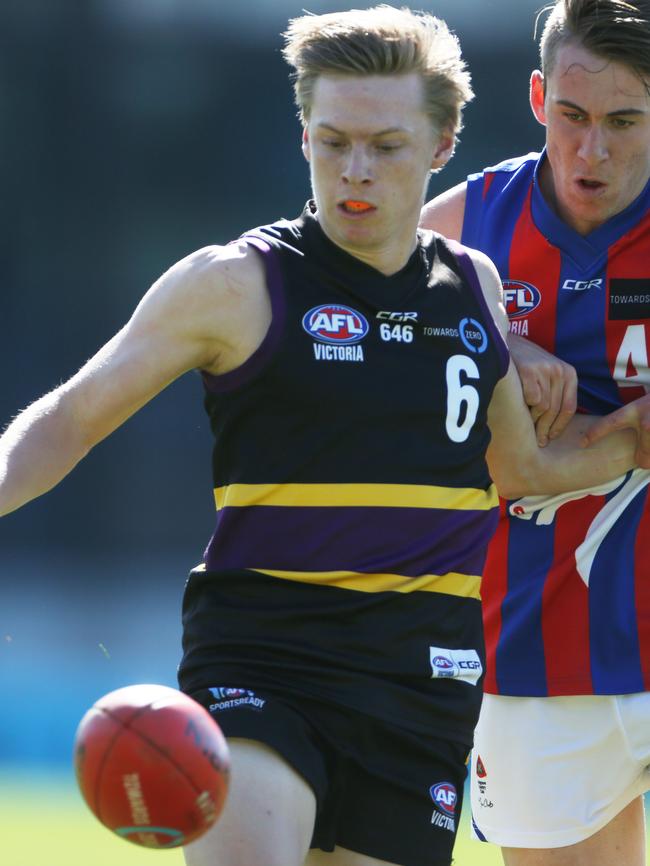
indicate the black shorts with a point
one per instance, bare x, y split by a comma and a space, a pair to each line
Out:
381, 790
376, 653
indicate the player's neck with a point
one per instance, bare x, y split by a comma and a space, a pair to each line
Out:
388, 258
386, 262
547, 186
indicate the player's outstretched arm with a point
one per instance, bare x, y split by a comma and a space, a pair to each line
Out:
633, 416
520, 467
517, 464
209, 311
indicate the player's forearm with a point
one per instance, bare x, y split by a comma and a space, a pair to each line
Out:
564, 466
37, 450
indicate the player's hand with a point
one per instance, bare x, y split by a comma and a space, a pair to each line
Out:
634, 416
550, 387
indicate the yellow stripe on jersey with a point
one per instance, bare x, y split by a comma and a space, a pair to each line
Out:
359, 495
452, 583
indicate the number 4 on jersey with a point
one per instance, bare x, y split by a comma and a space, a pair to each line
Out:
631, 367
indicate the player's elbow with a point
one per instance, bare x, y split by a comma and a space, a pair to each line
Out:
511, 486
516, 475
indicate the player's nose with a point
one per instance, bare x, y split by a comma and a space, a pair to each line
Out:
593, 145
357, 168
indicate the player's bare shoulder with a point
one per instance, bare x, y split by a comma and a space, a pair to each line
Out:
490, 281
445, 213
217, 298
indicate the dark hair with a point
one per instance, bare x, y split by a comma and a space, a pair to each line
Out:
616, 30
382, 40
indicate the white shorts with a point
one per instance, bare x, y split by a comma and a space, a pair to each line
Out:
549, 772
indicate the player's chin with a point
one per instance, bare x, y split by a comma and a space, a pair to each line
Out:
346, 228
594, 209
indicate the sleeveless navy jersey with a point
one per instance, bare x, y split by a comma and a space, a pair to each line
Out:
566, 590
354, 504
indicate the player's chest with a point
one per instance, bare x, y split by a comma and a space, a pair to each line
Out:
344, 351
563, 306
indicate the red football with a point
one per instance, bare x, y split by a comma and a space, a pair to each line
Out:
152, 765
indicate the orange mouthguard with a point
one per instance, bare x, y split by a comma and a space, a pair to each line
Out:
357, 205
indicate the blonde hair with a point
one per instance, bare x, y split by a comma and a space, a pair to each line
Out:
616, 30
382, 40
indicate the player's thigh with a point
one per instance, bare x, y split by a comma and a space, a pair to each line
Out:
619, 843
342, 857
269, 814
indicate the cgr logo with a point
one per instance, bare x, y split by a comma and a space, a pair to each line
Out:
460, 664
520, 298
335, 323
397, 317
444, 796
581, 285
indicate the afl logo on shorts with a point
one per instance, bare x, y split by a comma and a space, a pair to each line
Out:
520, 298
444, 666
335, 323
444, 796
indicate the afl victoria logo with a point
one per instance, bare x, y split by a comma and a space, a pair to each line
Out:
444, 796
335, 323
520, 298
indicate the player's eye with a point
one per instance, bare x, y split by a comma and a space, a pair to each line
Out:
621, 123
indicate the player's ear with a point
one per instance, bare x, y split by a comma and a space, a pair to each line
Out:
537, 95
444, 149
306, 147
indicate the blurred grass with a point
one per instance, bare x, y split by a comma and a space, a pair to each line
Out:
44, 822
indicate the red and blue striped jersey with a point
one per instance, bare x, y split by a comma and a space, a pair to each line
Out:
566, 591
